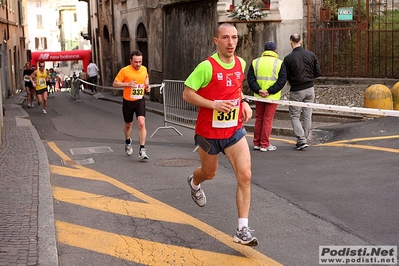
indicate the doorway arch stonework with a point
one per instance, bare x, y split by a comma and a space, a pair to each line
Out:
125, 45
142, 42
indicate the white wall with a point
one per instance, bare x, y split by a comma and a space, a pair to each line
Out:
289, 11
49, 27
292, 22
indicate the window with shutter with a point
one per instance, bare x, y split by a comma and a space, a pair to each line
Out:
39, 21
20, 13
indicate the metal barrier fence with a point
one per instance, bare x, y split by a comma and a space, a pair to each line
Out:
176, 110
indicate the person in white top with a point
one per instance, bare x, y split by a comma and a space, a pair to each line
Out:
92, 72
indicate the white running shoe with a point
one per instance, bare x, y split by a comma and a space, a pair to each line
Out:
245, 237
143, 154
198, 196
129, 148
44, 111
270, 148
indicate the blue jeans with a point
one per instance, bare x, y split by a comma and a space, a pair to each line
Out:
301, 130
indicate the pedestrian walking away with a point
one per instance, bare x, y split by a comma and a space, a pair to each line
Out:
302, 68
39, 81
215, 86
266, 78
52, 76
135, 82
30, 90
92, 73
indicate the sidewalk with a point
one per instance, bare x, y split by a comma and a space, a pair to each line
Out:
27, 233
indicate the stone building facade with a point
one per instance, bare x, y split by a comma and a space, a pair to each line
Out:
12, 46
175, 35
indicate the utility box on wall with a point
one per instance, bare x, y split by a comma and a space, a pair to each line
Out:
325, 14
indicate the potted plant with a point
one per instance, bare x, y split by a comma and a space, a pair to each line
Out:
248, 10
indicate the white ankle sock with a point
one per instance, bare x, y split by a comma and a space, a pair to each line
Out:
194, 186
242, 222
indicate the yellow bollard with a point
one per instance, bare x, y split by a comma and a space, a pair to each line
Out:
395, 96
378, 96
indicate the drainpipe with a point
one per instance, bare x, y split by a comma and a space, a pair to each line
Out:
4, 70
8, 24
6, 38
308, 27
113, 20
3, 73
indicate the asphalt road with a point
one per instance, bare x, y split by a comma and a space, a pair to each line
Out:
111, 209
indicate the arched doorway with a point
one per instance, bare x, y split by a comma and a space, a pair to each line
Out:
125, 45
142, 43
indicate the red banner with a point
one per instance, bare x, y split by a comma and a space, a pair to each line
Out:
73, 55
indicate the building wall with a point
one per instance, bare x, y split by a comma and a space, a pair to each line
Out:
12, 47
293, 20
156, 33
47, 29
12, 51
129, 14
107, 46
179, 33
188, 36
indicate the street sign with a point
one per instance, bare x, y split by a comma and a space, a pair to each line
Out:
345, 13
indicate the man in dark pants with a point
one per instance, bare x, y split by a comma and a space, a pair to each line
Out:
302, 68
92, 72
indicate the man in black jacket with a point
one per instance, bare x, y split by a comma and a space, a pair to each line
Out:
302, 68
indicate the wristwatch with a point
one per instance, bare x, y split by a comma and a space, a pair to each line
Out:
245, 100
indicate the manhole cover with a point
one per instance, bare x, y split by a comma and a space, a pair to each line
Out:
177, 162
89, 150
78, 162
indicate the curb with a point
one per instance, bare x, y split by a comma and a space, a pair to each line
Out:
46, 237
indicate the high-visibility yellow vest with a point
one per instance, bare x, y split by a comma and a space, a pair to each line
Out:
266, 69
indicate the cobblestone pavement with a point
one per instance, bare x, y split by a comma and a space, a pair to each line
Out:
27, 234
